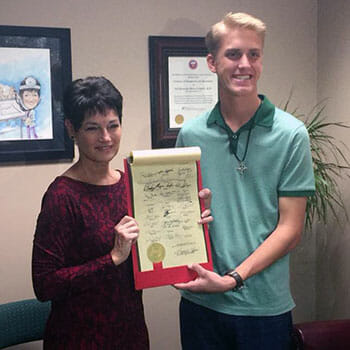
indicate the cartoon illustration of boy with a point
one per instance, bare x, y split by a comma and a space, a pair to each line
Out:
29, 93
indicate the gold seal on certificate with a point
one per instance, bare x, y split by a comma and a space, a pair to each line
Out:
179, 119
156, 252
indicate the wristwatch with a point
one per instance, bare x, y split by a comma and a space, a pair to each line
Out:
239, 281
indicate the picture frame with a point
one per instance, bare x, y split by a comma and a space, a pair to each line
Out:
35, 68
165, 101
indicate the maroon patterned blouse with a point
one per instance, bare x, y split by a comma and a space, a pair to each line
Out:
94, 303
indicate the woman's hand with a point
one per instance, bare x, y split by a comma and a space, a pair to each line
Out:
205, 196
127, 232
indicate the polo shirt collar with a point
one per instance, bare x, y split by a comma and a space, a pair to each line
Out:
262, 117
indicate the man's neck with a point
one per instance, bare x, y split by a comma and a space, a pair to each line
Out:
238, 110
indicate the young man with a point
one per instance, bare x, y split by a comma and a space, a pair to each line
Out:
256, 160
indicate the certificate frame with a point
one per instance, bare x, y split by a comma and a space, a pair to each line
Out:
50, 142
160, 49
160, 275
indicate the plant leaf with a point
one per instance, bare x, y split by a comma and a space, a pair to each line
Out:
329, 162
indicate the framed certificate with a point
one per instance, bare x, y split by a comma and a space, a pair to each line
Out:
181, 85
163, 188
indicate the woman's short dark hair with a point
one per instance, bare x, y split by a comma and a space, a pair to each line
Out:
88, 96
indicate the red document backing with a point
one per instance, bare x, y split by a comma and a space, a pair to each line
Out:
160, 276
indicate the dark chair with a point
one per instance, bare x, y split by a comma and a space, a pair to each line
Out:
22, 321
322, 335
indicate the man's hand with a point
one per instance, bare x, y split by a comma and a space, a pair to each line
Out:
207, 281
205, 196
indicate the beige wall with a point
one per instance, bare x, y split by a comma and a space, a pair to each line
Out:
109, 37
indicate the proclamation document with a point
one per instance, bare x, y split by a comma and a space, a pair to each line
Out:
164, 186
193, 89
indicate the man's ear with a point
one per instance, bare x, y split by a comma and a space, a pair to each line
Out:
211, 62
70, 128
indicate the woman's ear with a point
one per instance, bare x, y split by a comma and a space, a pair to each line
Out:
70, 128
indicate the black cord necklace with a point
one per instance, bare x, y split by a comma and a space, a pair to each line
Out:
242, 167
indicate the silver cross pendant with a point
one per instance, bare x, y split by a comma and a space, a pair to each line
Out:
242, 168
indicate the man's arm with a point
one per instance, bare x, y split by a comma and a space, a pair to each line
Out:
281, 241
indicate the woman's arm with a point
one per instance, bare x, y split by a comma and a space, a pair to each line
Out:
54, 274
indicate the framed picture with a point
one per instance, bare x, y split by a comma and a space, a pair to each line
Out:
35, 67
181, 85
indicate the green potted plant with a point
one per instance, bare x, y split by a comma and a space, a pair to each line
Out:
329, 161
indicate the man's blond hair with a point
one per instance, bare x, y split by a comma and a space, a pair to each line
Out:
233, 20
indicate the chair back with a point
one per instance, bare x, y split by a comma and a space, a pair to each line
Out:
322, 335
22, 321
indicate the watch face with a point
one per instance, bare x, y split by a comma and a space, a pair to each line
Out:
229, 272
237, 278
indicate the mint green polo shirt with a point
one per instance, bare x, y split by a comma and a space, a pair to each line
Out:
245, 206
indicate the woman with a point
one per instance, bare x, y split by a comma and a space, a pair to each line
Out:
81, 252
29, 98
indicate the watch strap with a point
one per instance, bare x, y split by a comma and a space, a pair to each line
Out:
236, 276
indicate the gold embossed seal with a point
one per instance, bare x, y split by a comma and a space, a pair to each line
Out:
156, 252
179, 119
